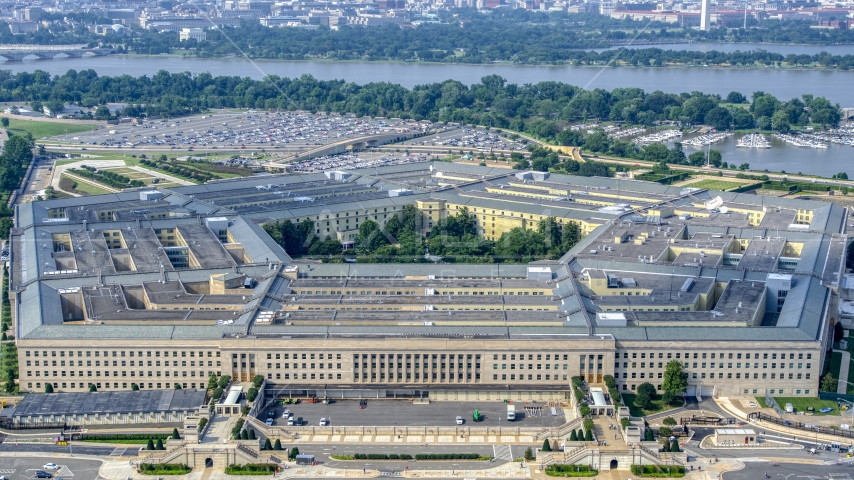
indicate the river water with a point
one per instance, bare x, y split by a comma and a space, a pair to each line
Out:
785, 84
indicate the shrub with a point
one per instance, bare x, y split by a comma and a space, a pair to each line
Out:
160, 444
235, 430
164, 469
448, 456
625, 422
251, 469
557, 470
175, 435
659, 472
202, 423
547, 446
573, 437
267, 444
251, 394
277, 445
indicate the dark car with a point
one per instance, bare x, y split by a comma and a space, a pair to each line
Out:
41, 474
299, 421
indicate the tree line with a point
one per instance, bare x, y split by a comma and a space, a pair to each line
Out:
541, 109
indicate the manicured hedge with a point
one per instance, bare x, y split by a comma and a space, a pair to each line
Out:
136, 436
251, 469
447, 456
555, 470
382, 456
670, 471
164, 469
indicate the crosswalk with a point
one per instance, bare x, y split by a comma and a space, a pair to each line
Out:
502, 452
7, 471
118, 452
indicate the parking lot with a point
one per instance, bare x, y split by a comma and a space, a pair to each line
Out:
366, 159
241, 130
70, 468
468, 138
406, 414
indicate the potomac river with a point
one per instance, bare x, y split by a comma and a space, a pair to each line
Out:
785, 84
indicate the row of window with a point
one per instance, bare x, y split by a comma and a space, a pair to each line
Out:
124, 386
97, 353
738, 356
107, 373
133, 363
539, 366
305, 376
435, 376
304, 365
425, 366
539, 356
719, 365
296, 356
539, 376
720, 375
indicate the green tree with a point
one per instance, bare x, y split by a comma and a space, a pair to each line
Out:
669, 421
251, 434
665, 431
102, 113
588, 435
4, 122
160, 444
829, 383
177, 386
675, 379
212, 381
175, 435
547, 446
267, 444
674, 447
150, 444
648, 389
92, 387
294, 452
642, 400
48, 388
134, 387
573, 436
529, 454
277, 445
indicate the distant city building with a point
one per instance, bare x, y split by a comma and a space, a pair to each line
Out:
23, 27
196, 34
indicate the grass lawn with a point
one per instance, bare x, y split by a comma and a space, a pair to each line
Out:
85, 187
715, 184
658, 405
835, 361
40, 129
800, 404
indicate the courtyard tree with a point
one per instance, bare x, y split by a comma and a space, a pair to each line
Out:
675, 380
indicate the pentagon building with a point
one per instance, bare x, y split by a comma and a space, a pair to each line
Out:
168, 286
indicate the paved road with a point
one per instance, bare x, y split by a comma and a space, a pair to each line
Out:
76, 447
789, 471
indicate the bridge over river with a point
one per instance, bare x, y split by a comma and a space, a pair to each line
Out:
17, 53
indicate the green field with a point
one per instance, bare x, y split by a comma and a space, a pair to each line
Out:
800, 404
40, 129
85, 187
715, 184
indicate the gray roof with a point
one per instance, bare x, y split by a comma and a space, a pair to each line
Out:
129, 401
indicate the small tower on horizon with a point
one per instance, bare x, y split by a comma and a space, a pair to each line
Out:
705, 15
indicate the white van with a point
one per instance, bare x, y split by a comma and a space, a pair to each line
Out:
789, 408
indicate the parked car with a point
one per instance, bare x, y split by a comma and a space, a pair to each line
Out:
41, 474
291, 422
460, 420
269, 422
324, 422
51, 466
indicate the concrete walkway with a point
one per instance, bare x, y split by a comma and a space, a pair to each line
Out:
842, 386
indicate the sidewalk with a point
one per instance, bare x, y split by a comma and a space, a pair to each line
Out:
842, 386
727, 406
